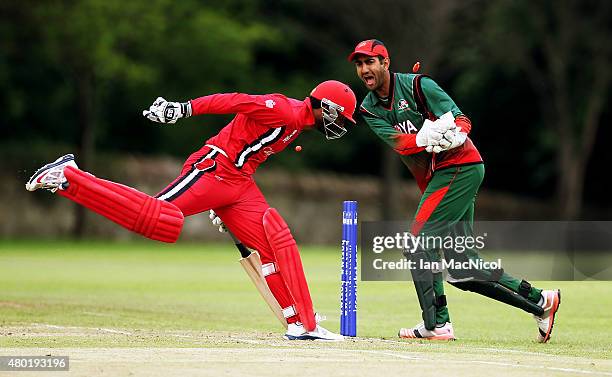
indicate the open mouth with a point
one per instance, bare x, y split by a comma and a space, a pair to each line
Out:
369, 80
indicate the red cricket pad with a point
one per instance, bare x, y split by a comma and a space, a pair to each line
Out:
290, 265
136, 211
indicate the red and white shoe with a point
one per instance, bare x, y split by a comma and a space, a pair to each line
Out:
51, 176
552, 300
441, 332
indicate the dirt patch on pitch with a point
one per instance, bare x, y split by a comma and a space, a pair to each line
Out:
265, 354
299, 361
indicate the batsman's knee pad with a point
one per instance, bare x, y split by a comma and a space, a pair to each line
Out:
289, 265
130, 208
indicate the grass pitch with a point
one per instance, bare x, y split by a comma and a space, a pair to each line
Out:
143, 308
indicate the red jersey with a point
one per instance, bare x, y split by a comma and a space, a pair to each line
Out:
263, 125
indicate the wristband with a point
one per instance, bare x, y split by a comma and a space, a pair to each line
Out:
186, 109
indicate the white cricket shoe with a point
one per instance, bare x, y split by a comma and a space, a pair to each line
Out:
51, 176
441, 332
551, 301
296, 331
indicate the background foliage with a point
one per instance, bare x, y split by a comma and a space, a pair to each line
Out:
533, 77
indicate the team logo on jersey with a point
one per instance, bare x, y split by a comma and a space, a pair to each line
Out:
268, 151
270, 103
405, 127
402, 105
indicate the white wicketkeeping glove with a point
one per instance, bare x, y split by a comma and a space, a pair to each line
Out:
162, 111
436, 133
452, 139
216, 221
428, 134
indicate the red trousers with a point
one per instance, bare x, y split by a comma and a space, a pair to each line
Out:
208, 180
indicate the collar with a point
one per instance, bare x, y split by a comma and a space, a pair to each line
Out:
391, 93
304, 114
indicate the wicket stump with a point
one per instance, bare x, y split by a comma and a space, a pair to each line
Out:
348, 299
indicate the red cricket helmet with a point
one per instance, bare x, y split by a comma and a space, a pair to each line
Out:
335, 97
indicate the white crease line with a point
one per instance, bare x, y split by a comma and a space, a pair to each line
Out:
405, 357
113, 331
100, 314
250, 341
493, 350
497, 363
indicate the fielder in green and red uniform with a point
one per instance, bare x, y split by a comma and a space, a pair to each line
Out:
416, 118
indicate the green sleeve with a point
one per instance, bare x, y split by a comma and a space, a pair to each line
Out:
438, 102
381, 128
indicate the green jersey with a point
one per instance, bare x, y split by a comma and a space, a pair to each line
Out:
397, 121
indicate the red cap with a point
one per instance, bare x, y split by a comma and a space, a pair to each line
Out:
371, 47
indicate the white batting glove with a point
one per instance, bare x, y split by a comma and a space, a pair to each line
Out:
216, 221
162, 111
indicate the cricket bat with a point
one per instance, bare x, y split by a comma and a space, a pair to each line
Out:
251, 262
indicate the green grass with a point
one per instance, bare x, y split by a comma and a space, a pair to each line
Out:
154, 289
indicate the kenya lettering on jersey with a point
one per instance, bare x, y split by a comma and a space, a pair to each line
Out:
264, 125
398, 124
406, 127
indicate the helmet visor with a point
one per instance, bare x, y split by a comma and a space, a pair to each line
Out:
333, 120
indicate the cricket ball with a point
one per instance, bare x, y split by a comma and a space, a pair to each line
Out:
298, 148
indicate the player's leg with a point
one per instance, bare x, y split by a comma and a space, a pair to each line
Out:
495, 284
429, 284
261, 228
501, 286
130, 208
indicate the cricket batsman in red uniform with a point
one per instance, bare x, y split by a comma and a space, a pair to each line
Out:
219, 177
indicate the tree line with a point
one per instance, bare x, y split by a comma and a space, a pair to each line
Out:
534, 77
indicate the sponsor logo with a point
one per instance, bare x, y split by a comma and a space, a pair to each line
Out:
288, 137
403, 105
268, 151
270, 103
406, 127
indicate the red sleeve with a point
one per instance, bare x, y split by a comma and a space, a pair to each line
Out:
464, 123
265, 109
405, 144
